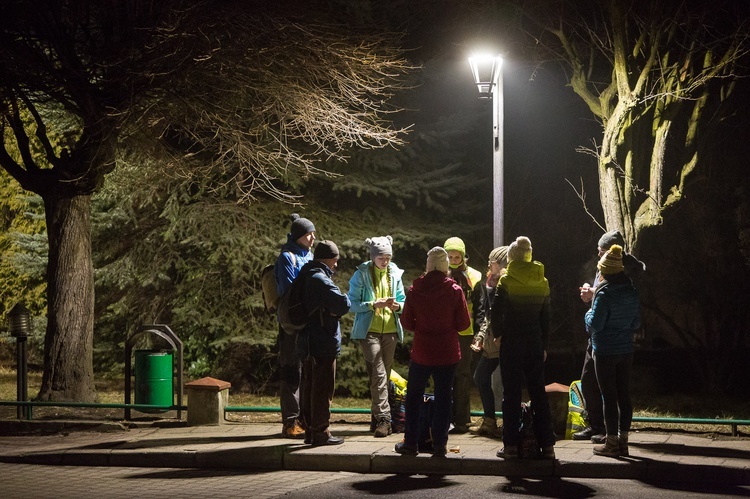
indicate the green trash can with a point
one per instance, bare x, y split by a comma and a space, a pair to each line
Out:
153, 379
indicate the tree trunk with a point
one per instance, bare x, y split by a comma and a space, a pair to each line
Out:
69, 342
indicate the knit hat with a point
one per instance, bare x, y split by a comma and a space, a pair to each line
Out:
500, 255
611, 261
325, 250
437, 259
380, 246
520, 250
455, 244
300, 226
610, 238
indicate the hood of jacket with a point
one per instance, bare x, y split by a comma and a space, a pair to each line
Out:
529, 275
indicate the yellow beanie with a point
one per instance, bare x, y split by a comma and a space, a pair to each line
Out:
611, 261
455, 244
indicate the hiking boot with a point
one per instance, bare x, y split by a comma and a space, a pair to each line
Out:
293, 430
589, 433
324, 439
508, 452
383, 429
624, 445
548, 452
406, 450
611, 448
598, 439
489, 428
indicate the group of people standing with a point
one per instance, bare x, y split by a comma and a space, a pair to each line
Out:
451, 309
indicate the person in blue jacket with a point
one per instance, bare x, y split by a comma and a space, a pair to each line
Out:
611, 322
319, 343
294, 254
377, 296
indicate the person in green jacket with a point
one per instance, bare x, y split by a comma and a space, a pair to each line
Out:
377, 296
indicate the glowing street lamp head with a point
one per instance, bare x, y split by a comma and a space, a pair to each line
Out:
486, 69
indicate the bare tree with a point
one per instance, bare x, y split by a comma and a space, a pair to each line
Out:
233, 88
658, 75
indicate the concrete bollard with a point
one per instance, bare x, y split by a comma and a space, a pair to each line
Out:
207, 398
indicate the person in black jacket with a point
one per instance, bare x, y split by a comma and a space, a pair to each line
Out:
319, 343
521, 317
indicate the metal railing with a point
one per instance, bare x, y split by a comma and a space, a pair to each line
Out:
733, 423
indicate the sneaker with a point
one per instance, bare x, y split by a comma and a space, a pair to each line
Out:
441, 451
383, 429
548, 452
293, 430
459, 428
406, 450
508, 452
611, 448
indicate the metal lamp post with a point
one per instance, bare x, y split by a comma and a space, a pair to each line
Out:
19, 321
489, 80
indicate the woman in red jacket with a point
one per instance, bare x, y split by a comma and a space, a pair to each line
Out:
435, 310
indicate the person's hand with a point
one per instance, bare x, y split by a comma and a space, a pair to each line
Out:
392, 304
587, 292
382, 303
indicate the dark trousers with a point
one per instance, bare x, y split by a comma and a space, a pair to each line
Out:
461, 411
319, 379
613, 374
290, 376
442, 377
592, 395
483, 380
524, 359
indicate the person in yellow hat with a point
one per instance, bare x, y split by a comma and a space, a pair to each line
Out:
472, 283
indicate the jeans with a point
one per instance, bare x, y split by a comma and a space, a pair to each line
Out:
378, 350
592, 395
290, 374
613, 374
523, 359
483, 380
317, 393
461, 411
419, 375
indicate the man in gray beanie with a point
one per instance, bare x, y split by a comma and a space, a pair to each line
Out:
592, 395
295, 253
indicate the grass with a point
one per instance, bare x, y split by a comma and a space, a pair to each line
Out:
662, 406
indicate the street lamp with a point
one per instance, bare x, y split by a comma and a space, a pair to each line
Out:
489, 80
19, 322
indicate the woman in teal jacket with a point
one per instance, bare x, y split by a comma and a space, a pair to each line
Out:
377, 296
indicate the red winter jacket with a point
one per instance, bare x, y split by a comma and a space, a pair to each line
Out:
435, 310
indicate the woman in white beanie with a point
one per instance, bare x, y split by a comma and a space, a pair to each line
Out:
435, 310
377, 295
521, 317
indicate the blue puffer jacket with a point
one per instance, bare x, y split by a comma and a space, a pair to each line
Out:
362, 294
321, 337
614, 315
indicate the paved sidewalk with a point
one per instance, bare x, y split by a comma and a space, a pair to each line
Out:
654, 456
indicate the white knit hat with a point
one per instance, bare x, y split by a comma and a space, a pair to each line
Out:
380, 246
520, 250
437, 259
